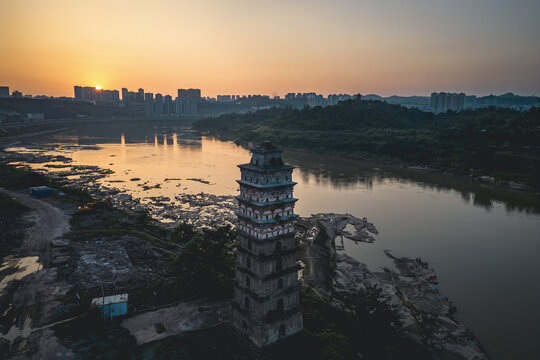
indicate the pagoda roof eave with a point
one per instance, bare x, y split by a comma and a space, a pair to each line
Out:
266, 204
249, 166
282, 219
266, 186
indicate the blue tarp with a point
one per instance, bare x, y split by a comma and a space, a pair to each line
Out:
41, 191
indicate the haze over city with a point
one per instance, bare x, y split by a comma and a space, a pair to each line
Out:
385, 47
247, 180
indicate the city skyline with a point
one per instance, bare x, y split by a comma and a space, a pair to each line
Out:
242, 47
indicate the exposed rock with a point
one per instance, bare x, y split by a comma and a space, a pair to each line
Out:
412, 286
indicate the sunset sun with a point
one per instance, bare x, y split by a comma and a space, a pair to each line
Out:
98, 87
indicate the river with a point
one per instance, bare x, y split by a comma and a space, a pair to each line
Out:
484, 243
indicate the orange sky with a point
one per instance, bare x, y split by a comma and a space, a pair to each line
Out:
240, 47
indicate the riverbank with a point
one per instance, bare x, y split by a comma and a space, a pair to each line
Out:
98, 232
73, 249
496, 146
411, 286
395, 164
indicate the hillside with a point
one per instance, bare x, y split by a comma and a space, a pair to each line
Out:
497, 142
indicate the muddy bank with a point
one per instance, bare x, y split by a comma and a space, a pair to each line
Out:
32, 293
201, 210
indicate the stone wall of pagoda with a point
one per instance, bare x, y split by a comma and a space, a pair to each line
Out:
270, 195
259, 246
267, 231
260, 309
263, 178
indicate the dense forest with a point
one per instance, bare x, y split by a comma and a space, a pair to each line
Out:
497, 142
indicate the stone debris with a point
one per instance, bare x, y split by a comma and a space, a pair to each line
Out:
335, 225
199, 180
412, 286
125, 262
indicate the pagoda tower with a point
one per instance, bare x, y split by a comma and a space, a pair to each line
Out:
266, 306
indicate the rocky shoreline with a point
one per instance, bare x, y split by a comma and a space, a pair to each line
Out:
412, 286
201, 210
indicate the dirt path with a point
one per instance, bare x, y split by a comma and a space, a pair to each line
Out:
28, 297
49, 223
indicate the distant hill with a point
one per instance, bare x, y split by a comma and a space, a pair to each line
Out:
490, 141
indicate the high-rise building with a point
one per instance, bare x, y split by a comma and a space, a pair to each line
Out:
189, 100
266, 295
434, 103
140, 95
149, 104
125, 95
168, 105
88, 93
443, 102
159, 104
78, 92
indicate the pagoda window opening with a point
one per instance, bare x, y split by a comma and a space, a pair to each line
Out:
246, 302
280, 306
278, 246
248, 282
280, 284
279, 265
248, 262
249, 244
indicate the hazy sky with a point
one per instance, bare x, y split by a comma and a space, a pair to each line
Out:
240, 47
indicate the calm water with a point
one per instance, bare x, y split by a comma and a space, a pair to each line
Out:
483, 243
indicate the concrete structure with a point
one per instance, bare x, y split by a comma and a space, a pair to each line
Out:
266, 305
34, 116
111, 306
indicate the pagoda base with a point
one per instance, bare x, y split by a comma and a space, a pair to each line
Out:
267, 333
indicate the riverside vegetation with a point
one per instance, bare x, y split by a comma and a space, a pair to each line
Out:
500, 144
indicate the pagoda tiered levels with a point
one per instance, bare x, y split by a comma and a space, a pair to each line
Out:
266, 305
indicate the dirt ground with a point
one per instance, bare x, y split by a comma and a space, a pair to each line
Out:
49, 222
176, 320
30, 297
